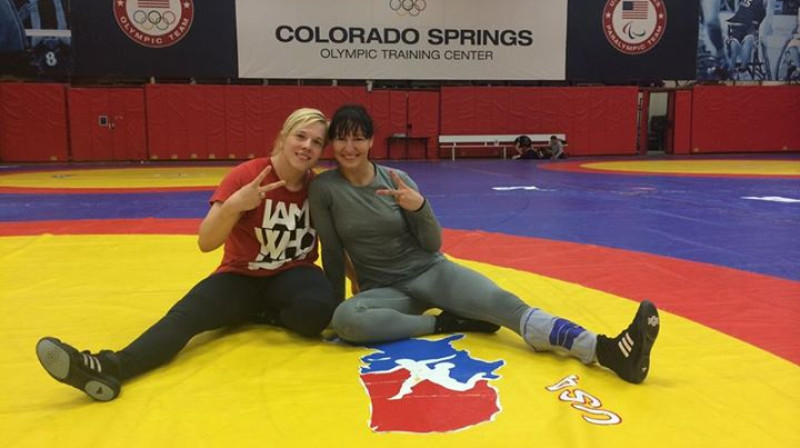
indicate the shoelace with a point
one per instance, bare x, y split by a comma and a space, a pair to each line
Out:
92, 362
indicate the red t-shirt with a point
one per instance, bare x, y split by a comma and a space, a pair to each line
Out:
274, 236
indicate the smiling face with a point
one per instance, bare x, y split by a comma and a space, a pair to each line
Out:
352, 151
302, 139
303, 146
351, 133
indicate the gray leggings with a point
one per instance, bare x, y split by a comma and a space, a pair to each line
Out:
396, 312
389, 313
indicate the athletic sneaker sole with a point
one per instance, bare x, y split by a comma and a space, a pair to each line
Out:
649, 323
56, 361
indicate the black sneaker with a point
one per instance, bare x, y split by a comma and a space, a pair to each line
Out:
629, 353
447, 322
82, 370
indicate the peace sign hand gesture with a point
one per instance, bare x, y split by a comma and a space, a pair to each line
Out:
252, 194
405, 196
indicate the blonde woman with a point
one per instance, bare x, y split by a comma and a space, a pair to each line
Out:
267, 271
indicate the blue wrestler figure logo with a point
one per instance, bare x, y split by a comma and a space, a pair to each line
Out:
424, 386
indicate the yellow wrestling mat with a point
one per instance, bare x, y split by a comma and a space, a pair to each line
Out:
166, 177
757, 167
130, 177
261, 387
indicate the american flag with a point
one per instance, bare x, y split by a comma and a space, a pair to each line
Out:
634, 9
154, 4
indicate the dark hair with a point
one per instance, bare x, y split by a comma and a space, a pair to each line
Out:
553, 137
350, 119
523, 140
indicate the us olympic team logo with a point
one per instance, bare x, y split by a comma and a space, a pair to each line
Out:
154, 23
408, 7
634, 26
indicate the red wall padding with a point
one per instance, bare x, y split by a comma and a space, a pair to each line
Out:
185, 122
122, 138
217, 121
197, 121
414, 114
682, 126
745, 119
33, 122
88, 140
130, 134
596, 120
423, 113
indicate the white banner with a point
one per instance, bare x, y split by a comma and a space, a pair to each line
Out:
402, 39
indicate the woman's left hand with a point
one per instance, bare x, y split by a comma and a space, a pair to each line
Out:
406, 197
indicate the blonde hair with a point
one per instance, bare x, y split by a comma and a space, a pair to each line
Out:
298, 119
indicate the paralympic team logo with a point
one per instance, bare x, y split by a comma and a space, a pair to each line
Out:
634, 26
423, 386
154, 23
408, 7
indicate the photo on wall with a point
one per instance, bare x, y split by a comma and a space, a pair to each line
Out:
35, 37
749, 40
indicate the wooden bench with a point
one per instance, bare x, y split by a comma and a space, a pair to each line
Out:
491, 142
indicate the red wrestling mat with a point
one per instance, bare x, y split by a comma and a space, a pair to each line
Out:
757, 309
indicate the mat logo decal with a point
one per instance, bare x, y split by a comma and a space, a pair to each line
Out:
634, 26
590, 406
424, 386
154, 23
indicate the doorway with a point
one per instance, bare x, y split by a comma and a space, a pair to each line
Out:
657, 113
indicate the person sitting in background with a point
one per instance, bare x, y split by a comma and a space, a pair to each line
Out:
752, 19
556, 149
525, 150
791, 58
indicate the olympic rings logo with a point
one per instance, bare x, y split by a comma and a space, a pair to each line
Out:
409, 7
154, 23
154, 19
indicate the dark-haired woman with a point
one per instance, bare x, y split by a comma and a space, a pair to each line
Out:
377, 217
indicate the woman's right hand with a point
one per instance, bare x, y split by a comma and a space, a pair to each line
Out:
222, 216
252, 194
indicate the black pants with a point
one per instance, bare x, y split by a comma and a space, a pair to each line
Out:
300, 298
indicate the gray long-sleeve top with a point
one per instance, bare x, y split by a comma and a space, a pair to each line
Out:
386, 243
